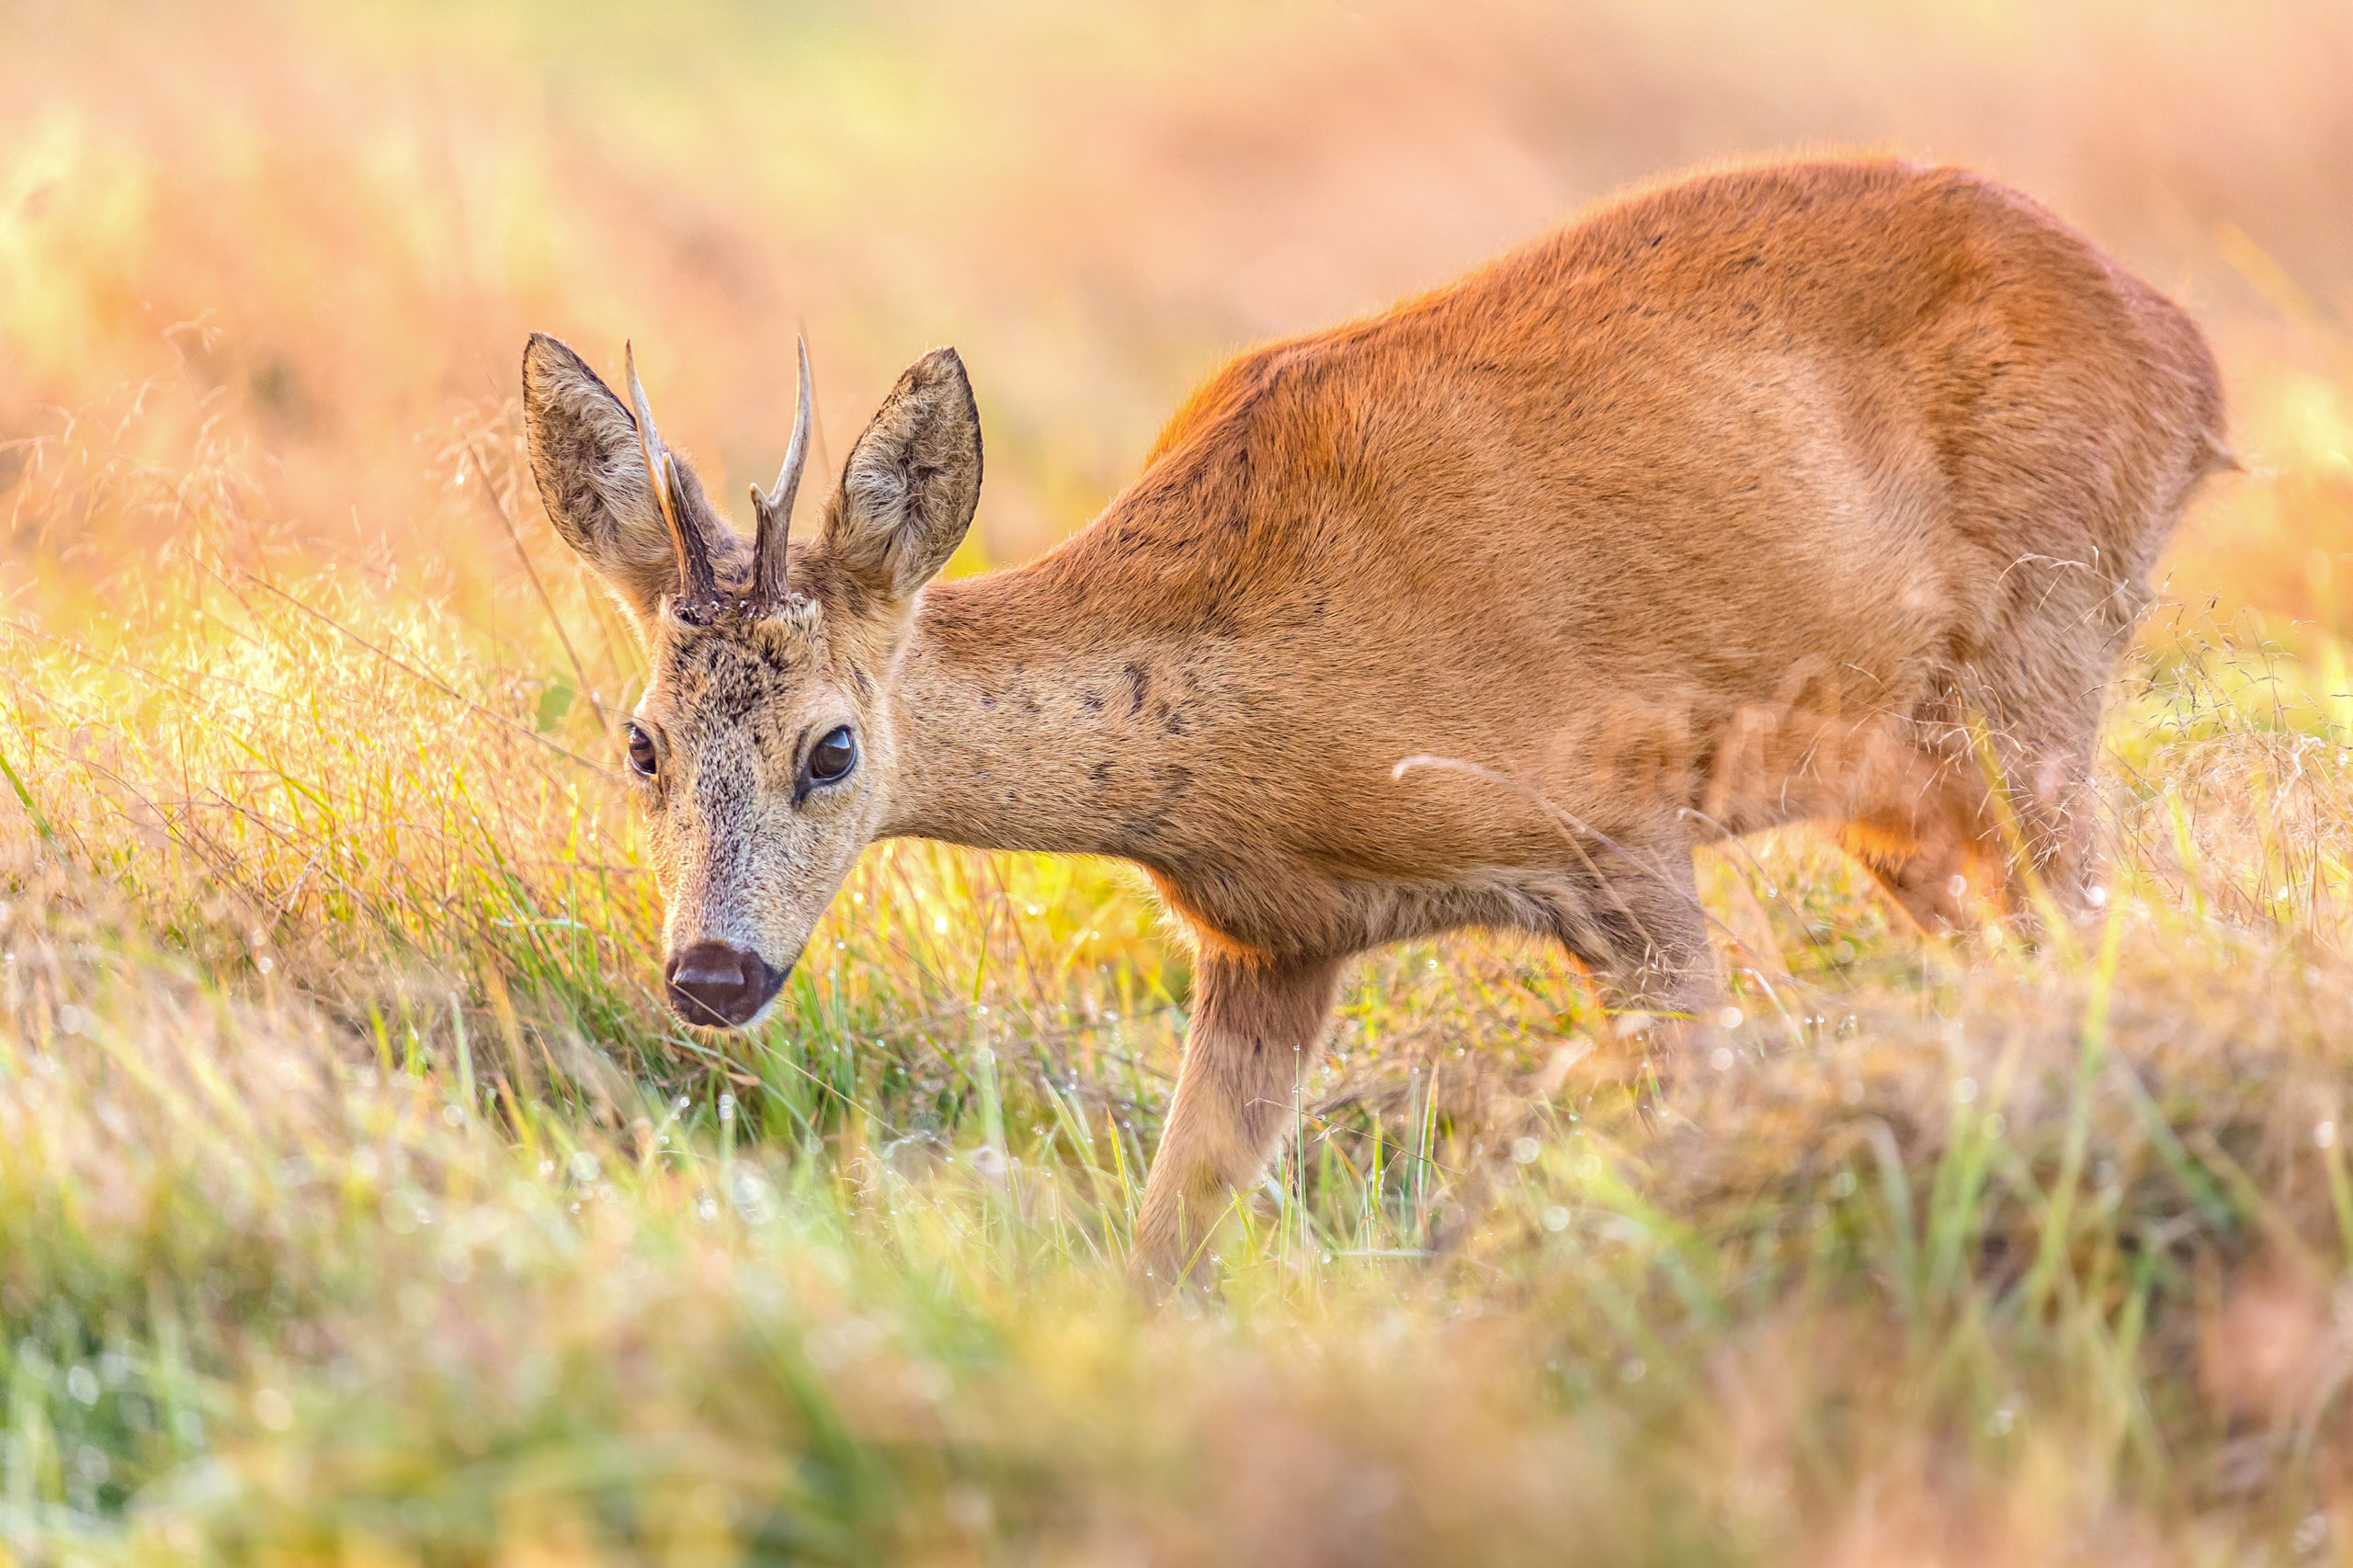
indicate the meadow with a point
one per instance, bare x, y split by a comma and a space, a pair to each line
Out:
361, 1204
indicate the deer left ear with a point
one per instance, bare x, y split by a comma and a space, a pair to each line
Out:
591, 463
911, 481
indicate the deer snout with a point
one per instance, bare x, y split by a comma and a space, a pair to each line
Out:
719, 983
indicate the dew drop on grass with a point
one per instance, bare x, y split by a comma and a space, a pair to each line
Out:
753, 1196
2325, 1135
1720, 1058
83, 1385
273, 1409
1556, 1217
1525, 1150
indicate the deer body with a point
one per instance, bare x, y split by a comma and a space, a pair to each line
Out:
1735, 504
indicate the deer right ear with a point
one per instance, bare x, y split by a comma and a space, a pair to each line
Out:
911, 481
592, 476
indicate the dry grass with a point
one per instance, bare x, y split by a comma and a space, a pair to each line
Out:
357, 1203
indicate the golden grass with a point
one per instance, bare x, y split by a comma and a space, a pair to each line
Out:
359, 1204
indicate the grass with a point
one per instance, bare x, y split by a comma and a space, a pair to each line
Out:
1971, 1249
359, 1204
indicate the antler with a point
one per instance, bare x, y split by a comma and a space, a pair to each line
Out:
775, 509
698, 584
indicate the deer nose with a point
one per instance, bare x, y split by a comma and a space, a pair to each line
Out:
719, 983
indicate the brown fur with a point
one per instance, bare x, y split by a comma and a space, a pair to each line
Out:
1749, 500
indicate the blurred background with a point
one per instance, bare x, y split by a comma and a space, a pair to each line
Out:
292, 251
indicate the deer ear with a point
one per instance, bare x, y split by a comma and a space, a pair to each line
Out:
591, 469
912, 481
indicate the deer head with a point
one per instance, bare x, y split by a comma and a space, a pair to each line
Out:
762, 752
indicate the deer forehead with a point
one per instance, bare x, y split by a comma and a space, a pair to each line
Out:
738, 668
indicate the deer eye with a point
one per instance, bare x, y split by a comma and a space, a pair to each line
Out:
831, 759
643, 757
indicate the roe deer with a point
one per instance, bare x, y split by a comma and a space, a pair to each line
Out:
1797, 493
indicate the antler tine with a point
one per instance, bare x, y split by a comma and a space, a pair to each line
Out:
775, 509
698, 584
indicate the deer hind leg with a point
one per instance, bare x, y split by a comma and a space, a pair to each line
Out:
1929, 841
1257, 1030
2048, 775
1901, 794
2037, 717
1928, 884
1941, 818
1644, 936
1930, 857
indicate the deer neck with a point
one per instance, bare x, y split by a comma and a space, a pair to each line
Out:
1021, 721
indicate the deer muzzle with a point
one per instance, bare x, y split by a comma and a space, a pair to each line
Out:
720, 985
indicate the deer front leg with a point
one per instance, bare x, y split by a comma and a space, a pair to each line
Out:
1258, 1028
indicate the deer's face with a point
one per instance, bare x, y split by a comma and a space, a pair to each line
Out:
760, 756
762, 752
